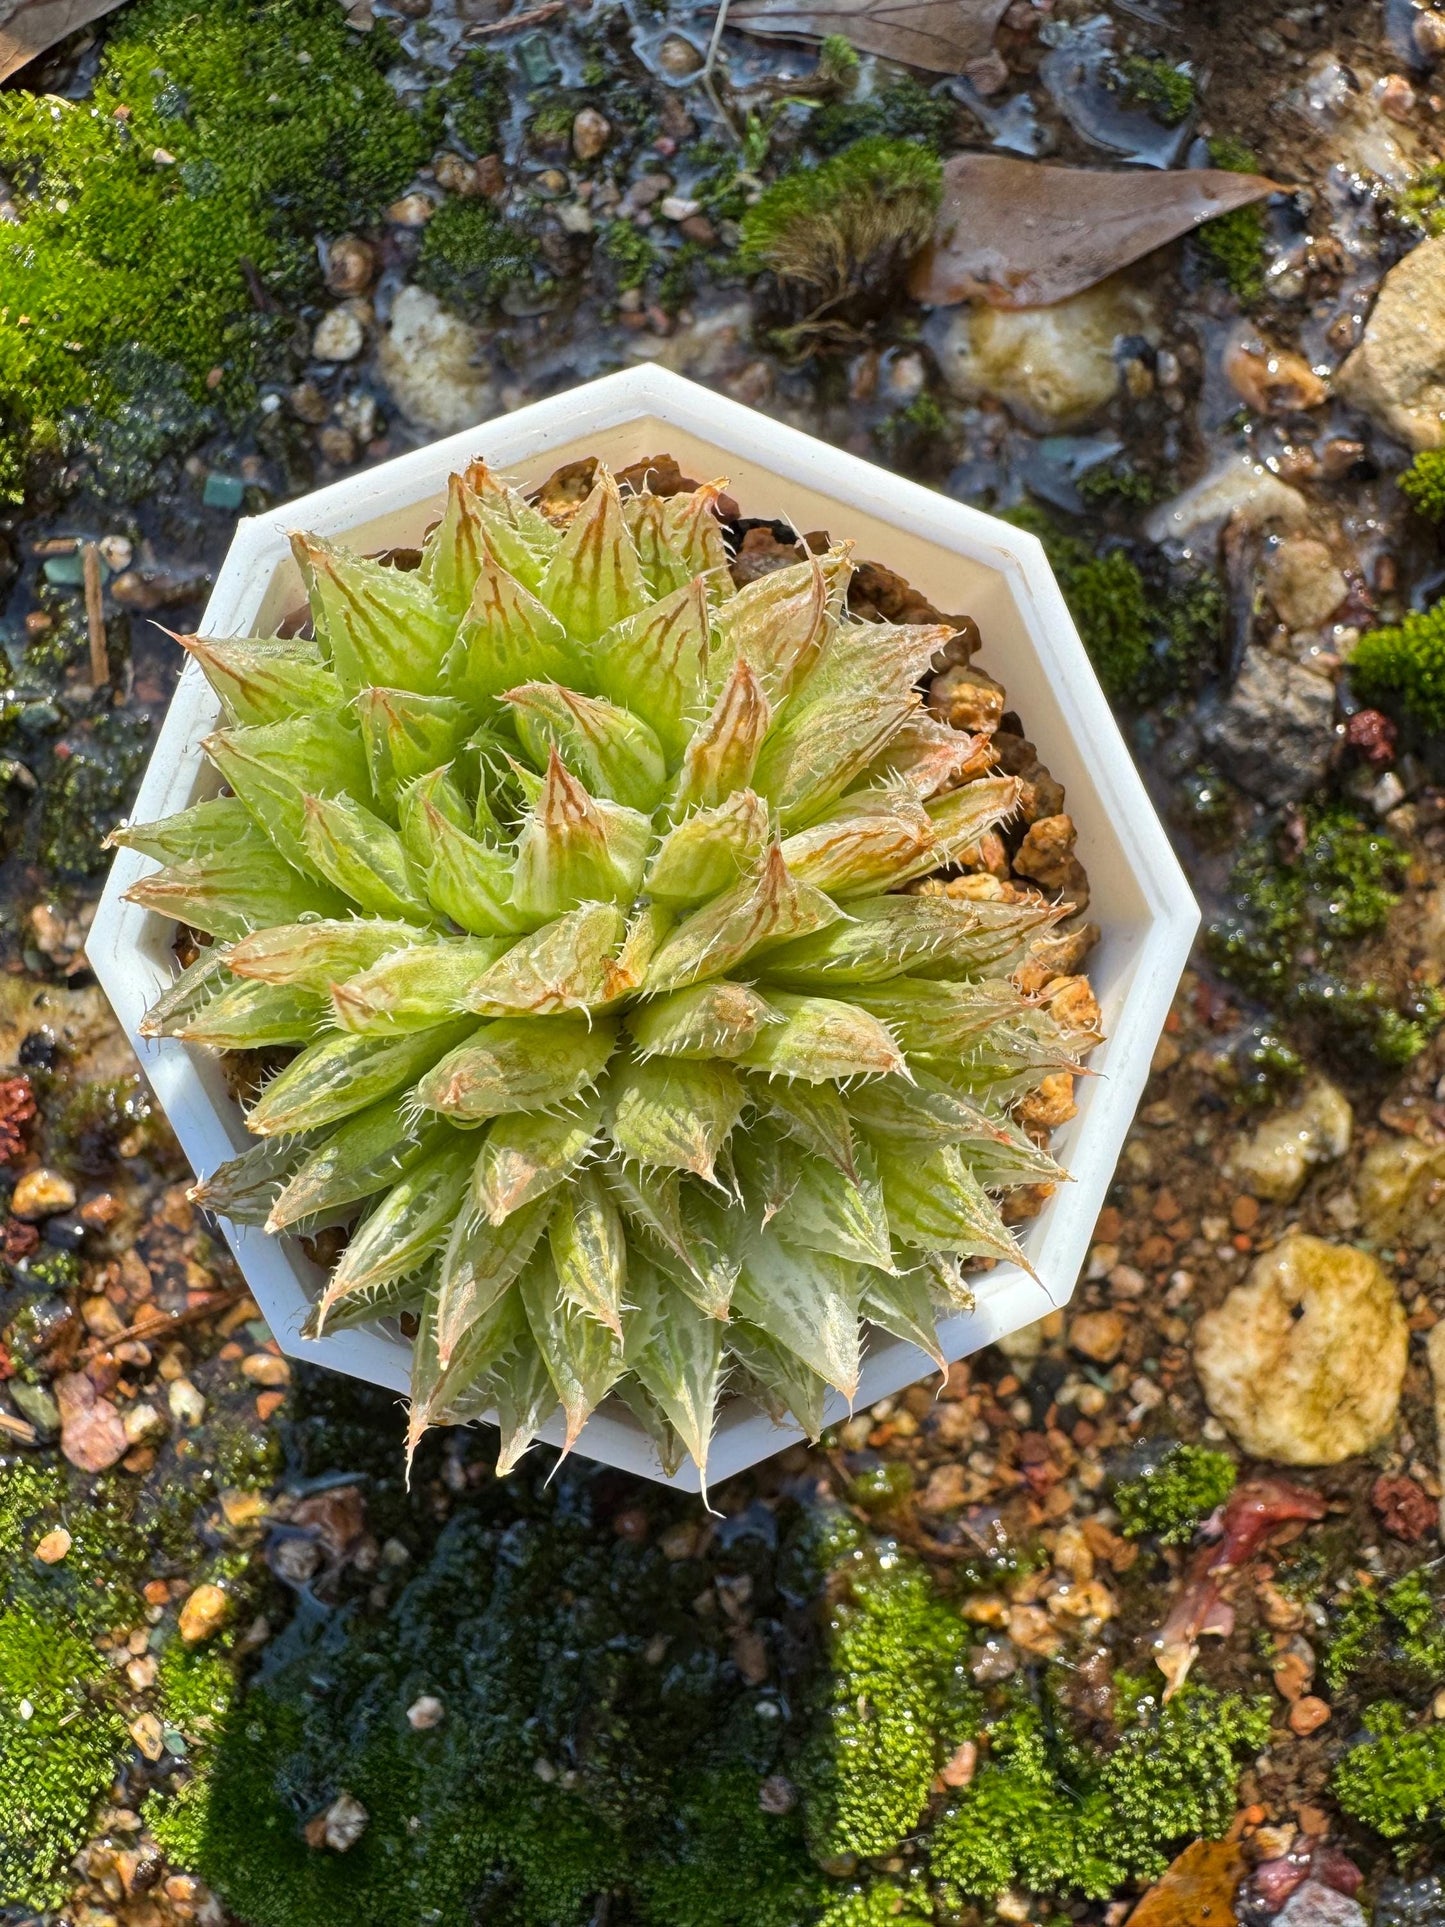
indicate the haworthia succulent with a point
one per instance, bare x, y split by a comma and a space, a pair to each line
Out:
633, 1033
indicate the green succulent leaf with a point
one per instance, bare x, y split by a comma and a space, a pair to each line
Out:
264, 681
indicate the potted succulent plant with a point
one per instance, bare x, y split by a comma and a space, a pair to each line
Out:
576, 904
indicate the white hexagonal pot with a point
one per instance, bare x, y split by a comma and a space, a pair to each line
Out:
960, 559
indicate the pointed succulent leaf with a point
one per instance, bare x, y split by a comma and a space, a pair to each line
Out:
782, 1383
723, 750
505, 636
368, 1304
962, 816
222, 823
651, 1201
525, 1399
674, 1114
777, 625
252, 1016
266, 681
1009, 1159
365, 1154
481, 1261
454, 551
469, 881
566, 965
595, 579
341, 1075
864, 844
574, 848
521, 536
823, 1040
936, 1204
273, 766
923, 1108
931, 1015
927, 936
806, 1300
405, 736
814, 1114
190, 992
407, 1227
518, 1064
631, 1392
314, 956
651, 924
681, 1364
613, 753
415, 987
769, 907
231, 892
710, 850
767, 1168
655, 663
717, 1019
377, 624
589, 1249
693, 537
245, 1188
883, 659
827, 1212
526, 1154
820, 747
927, 755
583, 1358
361, 855
902, 1304
462, 1390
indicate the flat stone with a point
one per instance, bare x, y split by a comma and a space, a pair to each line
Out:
1316, 1905
427, 360
1397, 373
1275, 1160
1097, 1335
1274, 732
339, 336
1303, 582
1304, 1361
91, 1433
1238, 490
204, 1613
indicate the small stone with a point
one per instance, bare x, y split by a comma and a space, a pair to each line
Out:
268, 1404
1304, 1362
144, 1424
412, 210
339, 336
1316, 1905
425, 1713
35, 1403
1198, 1888
677, 207
351, 265
141, 1672
240, 1509
101, 1318
116, 552
1303, 583
345, 1822
187, 1405
223, 491
1274, 733
427, 358
205, 1612
1397, 373
591, 132
151, 589
1275, 1161
41, 1194
1272, 380
678, 58
1405, 1509
91, 1433
1097, 1335
777, 1794
574, 218
265, 1368
52, 1548
338, 447
1396, 97
148, 1735
1308, 1715
1428, 34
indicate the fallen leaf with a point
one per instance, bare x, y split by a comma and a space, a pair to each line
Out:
939, 35
29, 27
1197, 1890
91, 1433
1020, 235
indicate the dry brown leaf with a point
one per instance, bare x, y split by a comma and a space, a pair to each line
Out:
1197, 1890
939, 35
29, 27
1020, 235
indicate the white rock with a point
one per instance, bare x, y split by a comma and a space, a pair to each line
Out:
1275, 1161
346, 1820
1053, 367
1237, 488
1397, 373
1316, 1905
187, 1405
1305, 1360
1303, 582
425, 1713
427, 360
339, 336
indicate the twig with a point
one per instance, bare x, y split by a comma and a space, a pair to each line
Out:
532, 17
18, 1428
95, 616
166, 1322
709, 67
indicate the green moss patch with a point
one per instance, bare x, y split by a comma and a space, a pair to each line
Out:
1402, 667
1171, 1499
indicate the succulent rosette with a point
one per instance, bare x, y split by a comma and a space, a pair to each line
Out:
576, 893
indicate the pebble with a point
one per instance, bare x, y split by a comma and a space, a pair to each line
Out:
1399, 1187
1274, 1162
1238, 490
1303, 582
204, 1613
338, 446
344, 1822
678, 58
425, 1713
187, 1405
427, 358
1315, 1905
1308, 1715
144, 1424
148, 1734
265, 1368
1304, 1362
591, 132
412, 210
1097, 1335
1274, 733
41, 1194
351, 265
91, 1433
339, 336
116, 552
1272, 380
52, 1548
1397, 373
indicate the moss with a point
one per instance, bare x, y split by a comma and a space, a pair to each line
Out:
897, 1703
634, 257
474, 100
1402, 667
1117, 481
1421, 204
881, 1487
470, 255
1423, 483
1164, 90
879, 1905
1233, 244
904, 111
281, 123
1396, 1632
1107, 599
1050, 1813
837, 237
838, 62
1173, 1497
89, 1119
91, 780
1394, 1779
